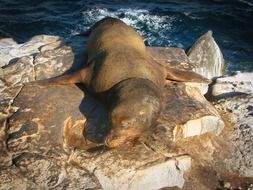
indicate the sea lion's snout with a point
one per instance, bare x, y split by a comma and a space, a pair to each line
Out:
123, 129
120, 135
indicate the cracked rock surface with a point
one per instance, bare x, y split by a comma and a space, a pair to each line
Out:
186, 149
234, 96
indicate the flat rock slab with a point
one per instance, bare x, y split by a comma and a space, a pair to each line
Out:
36, 142
42, 111
36, 134
172, 57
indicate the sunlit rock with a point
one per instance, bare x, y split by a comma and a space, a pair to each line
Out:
171, 57
202, 125
190, 112
207, 57
10, 50
153, 176
239, 84
234, 96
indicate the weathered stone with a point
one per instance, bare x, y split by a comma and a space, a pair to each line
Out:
43, 39
239, 84
148, 176
40, 172
9, 49
202, 87
194, 114
240, 116
206, 56
37, 128
13, 76
52, 62
51, 46
20, 72
36, 137
235, 98
172, 57
37, 112
34, 64
11, 178
200, 126
45, 64
33, 126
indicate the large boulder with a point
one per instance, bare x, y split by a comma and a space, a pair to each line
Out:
206, 56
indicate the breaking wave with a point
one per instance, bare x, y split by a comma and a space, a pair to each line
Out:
152, 27
161, 22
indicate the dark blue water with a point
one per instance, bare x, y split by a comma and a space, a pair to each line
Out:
162, 23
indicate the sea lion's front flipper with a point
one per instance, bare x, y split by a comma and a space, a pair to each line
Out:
81, 76
184, 76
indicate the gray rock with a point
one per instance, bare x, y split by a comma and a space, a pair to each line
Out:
172, 57
9, 49
158, 175
228, 86
235, 98
206, 56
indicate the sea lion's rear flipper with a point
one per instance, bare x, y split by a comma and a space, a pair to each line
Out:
184, 76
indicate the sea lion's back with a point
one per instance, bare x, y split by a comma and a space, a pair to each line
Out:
119, 53
110, 32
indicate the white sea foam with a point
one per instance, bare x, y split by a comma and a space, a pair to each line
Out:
153, 27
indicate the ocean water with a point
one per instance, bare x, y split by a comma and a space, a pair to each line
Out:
162, 23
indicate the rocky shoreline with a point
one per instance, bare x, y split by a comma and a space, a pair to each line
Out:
197, 144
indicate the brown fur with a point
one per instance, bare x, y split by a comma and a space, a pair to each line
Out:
120, 68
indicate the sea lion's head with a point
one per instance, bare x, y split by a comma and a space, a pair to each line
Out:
136, 106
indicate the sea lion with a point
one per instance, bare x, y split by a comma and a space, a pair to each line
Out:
122, 74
